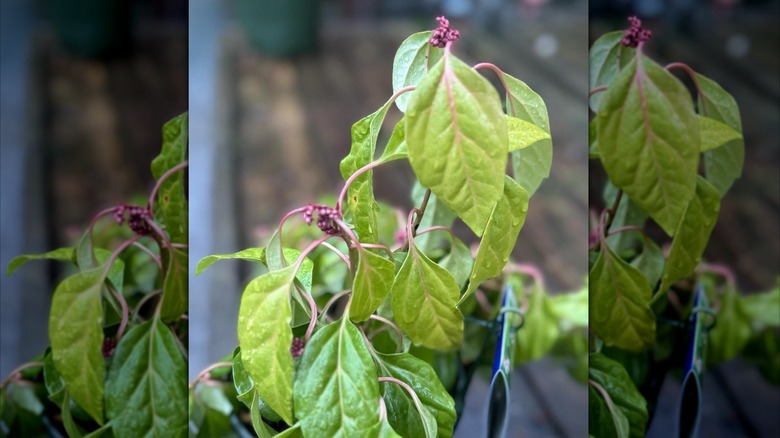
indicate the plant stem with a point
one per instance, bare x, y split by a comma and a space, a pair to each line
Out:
149, 252
203, 374
394, 327
341, 255
332, 300
143, 301
408, 389
123, 305
349, 182
596, 90
692, 74
16, 373
379, 246
500, 75
529, 270
626, 228
119, 249
312, 304
160, 181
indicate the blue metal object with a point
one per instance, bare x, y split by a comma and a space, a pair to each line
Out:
498, 393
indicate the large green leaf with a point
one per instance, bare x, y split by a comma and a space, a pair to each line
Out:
61, 254
722, 166
424, 297
265, 338
412, 61
175, 296
615, 380
360, 194
171, 207
731, 332
524, 103
540, 329
421, 377
76, 334
373, 279
605, 60
692, 234
304, 274
619, 303
250, 254
500, 235
336, 386
146, 388
246, 392
457, 139
649, 140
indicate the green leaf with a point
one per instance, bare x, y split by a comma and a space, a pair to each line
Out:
457, 139
421, 377
216, 412
396, 146
650, 262
175, 296
246, 392
620, 303
336, 387
373, 279
116, 273
628, 213
458, 261
715, 134
76, 334
731, 332
500, 236
411, 63
571, 307
649, 140
692, 235
61, 254
531, 165
523, 134
604, 418
360, 194
171, 204
722, 166
265, 338
423, 299
605, 60
540, 329
250, 254
763, 308
261, 429
615, 380
55, 386
146, 389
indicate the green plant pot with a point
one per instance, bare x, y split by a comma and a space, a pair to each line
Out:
280, 28
90, 28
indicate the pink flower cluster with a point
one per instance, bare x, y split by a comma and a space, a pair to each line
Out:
137, 218
443, 34
296, 349
635, 35
325, 216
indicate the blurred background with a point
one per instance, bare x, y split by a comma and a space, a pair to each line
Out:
85, 87
737, 44
274, 91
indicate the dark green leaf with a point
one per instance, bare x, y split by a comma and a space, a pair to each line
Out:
500, 236
649, 140
650, 262
619, 303
692, 235
606, 58
614, 379
265, 338
423, 380
423, 299
457, 139
76, 334
336, 387
604, 418
61, 254
411, 63
723, 165
147, 383
55, 386
731, 332
175, 296
171, 204
373, 279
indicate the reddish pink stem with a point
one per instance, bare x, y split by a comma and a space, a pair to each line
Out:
160, 181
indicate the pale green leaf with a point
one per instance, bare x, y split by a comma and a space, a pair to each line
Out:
423, 301
500, 235
146, 388
530, 166
457, 139
763, 308
620, 303
76, 334
265, 338
731, 332
458, 261
571, 307
523, 134
251, 254
540, 329
396, 146
650, 262
61, 254
411, 63
336, 386
715, 134
171, 203
373, 279
649, 140
692, 235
